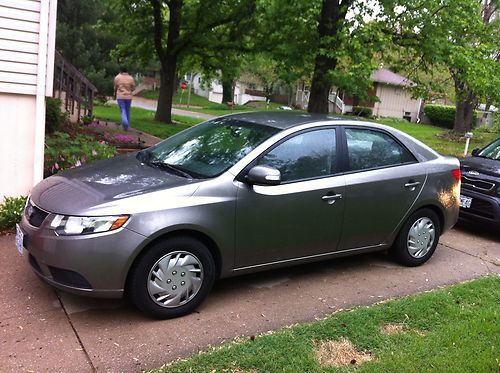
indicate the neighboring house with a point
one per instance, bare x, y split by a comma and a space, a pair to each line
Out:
27, 40
391, 89
243, 92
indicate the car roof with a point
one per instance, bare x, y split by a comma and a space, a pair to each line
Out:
281, 119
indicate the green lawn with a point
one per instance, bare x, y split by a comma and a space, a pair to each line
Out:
202, 105
143, 120
455, 329
429, 135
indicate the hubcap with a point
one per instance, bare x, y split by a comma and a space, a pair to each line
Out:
421, 237
175, 279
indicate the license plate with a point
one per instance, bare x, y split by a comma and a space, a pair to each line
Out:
19, 240
465, 202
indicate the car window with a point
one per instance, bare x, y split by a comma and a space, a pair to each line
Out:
492, 151
307, 155
371, 149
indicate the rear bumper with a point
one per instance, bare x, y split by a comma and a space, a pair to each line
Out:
484, 208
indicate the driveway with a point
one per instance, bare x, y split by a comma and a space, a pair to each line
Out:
42, 329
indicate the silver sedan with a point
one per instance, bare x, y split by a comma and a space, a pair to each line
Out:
234, 195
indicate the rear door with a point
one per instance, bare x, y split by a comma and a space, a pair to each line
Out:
383, 180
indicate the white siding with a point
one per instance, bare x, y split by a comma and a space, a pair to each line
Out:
20, 45
395, 102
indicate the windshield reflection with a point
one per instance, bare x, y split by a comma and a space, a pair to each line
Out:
209, 149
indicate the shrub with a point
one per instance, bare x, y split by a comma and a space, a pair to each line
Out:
63, 152
54, 116
361, 111
11, 211
441, 115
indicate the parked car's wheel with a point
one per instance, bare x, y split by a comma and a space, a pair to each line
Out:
172, 277
417, 239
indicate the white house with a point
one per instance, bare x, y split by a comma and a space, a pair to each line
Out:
243, 92
27, 41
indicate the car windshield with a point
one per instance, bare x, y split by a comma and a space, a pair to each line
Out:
492, 151
208, 149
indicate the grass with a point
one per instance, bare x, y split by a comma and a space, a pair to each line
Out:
143, 120
201, 104
429, 135
455, 329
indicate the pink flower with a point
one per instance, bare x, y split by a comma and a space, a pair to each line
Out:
78, 163
94, 153
56, 166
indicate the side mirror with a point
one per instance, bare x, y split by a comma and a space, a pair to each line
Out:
264, 175
475, 152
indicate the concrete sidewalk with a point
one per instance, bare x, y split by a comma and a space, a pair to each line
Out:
145, 103
42, 329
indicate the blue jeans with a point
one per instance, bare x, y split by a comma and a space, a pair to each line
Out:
125, 109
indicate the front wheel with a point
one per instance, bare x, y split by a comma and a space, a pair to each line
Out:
418, 238
172, 277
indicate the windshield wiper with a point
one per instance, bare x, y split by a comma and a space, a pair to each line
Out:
175, 169
143, 155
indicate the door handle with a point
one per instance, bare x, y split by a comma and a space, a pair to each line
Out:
412, 184
331, 198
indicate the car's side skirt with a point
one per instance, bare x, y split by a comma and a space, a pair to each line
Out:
307, 259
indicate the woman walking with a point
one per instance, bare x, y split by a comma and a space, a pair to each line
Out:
124, 86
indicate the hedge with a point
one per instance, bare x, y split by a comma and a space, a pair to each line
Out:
441, 115
361, 111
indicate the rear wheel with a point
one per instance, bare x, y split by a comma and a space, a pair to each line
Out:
418, 238
172, 277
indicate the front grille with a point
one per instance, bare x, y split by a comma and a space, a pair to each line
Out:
35, 215
477, 184
69, 278
481, 208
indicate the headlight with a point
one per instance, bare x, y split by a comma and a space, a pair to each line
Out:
74, 225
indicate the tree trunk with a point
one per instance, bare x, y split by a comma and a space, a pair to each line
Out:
332, 17
167, 89
168, 56
227, 89
466, 102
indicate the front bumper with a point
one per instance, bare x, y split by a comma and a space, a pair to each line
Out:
95, 265
484, 208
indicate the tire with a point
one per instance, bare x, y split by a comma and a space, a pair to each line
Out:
172, 277
417, 239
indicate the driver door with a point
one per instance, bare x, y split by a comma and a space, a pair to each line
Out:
302, 216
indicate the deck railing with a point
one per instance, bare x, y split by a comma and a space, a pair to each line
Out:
73, 88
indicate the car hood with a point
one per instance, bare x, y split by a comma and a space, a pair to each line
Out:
481, 165
83, 189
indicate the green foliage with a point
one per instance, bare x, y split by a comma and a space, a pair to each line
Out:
63, 152
361, 111
54, 116
441, 115
452, 35
11, 211
451, 329
85, 38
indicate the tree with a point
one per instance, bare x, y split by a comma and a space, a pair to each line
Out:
460, 35
84, 39
175, 29
331, 40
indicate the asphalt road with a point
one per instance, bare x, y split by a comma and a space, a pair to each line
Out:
42, 329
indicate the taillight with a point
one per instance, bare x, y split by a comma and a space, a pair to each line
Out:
456, 174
